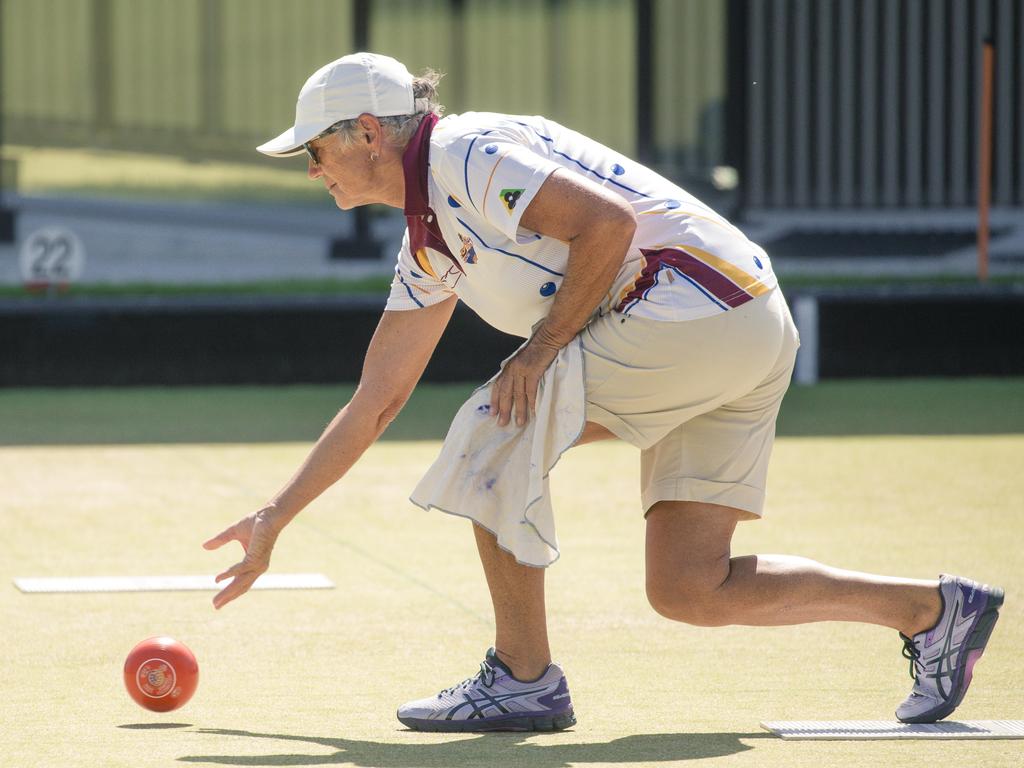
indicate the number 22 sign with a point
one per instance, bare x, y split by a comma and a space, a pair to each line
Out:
51, 256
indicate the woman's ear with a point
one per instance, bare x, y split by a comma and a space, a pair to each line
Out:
371, 128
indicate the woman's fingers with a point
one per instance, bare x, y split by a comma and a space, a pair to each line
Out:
501, 397
514, 392
257, 539
531, 400
231, 572
222, 538
241, 532
242, 574
238, 587
521, 399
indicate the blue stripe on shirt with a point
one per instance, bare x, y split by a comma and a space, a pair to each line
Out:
581, 165
408, 288
465, 166
508, 253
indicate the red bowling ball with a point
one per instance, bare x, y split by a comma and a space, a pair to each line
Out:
161, 674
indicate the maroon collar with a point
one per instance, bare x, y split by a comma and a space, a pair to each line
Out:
415, 162
421, 222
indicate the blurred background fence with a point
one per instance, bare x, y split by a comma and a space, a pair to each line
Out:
876, 103
817, 103
843, 135
216, 77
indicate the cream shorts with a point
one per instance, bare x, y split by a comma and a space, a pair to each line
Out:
698, 398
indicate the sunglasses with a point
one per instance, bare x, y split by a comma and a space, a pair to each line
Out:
311, 150
313, 157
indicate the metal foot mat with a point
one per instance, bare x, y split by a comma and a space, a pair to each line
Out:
892, 729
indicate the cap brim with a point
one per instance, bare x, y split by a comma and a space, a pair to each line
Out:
288, 143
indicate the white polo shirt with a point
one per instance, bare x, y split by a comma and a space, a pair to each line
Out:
470, 177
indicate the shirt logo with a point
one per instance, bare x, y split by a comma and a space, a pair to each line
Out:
510, 197
467, 253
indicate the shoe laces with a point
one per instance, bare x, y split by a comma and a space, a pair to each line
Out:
485, 675
911, 652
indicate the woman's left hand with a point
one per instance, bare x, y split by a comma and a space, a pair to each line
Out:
515, 388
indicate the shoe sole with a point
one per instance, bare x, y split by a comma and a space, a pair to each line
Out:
507, 723
975, 647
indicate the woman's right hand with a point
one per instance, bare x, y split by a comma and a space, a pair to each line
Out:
257, 534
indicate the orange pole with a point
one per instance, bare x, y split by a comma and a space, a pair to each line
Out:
985, 159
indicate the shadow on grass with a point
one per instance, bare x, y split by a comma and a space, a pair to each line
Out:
154, 726
490, 749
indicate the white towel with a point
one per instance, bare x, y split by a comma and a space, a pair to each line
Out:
498, 476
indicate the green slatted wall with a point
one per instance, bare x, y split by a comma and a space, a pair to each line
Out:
217, 76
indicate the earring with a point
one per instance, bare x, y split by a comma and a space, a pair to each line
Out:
373, 157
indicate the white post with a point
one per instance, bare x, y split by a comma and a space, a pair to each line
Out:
805, 315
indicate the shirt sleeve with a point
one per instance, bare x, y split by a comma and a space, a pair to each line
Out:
497, 176
414, 287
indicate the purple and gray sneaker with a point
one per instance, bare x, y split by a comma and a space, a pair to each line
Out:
942, 658
493, 700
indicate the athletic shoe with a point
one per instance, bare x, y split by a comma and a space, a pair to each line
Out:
493, 700
942, 658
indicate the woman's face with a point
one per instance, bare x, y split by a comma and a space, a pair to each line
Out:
347, 171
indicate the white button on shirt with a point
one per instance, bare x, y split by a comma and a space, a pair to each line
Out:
685, 261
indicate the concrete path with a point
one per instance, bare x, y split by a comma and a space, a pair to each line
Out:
142, 242
147, 242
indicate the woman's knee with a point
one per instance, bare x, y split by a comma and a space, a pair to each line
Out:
692, 598
688, 549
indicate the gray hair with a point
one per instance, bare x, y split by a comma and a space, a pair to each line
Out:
398, 129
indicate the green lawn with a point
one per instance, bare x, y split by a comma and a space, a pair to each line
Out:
134, 176
129, 482
297, 413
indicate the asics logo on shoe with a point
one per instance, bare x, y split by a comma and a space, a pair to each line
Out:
945, 667
561, 696
962, 619
957, 631
490, 700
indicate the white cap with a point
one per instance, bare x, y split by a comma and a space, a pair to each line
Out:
342, 90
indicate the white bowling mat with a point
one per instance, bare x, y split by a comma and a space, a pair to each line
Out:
891, 729
168, 583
